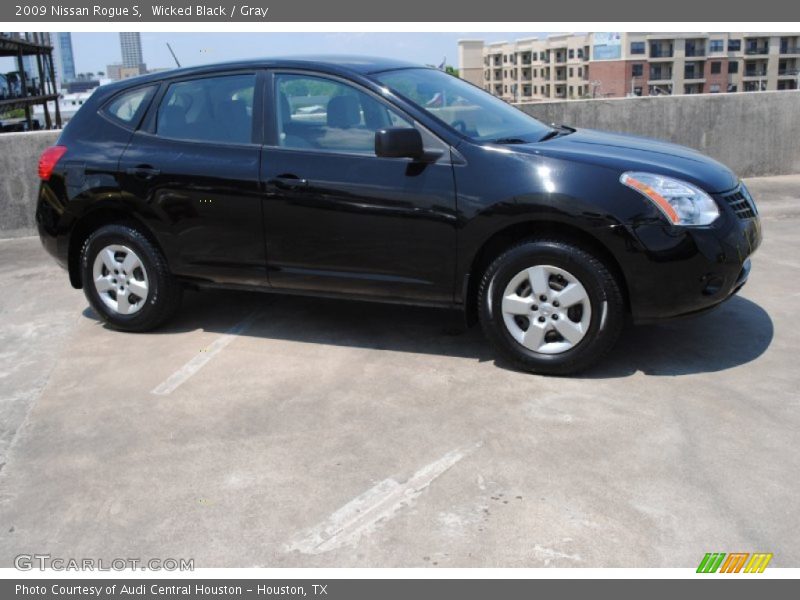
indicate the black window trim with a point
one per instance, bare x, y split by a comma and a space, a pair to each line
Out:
141, 112
148, 124
270, 115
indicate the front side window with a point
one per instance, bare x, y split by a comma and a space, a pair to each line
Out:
128, 106
464, 107
716, 46
325, 114
214, 109
734, 45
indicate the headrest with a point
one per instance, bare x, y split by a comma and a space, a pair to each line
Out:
343, 112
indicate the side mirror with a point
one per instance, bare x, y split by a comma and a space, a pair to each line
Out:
399, 142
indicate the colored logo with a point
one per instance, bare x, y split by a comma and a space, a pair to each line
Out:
736, 562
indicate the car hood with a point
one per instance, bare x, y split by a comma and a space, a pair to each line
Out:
633, 153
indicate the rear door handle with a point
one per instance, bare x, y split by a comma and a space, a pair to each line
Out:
143, 172
288, 182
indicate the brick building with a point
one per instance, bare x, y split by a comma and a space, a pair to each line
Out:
571, 66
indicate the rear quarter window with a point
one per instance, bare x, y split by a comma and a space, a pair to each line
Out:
128, 107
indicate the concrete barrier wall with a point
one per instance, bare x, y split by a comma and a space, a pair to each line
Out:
754, 134
19, 180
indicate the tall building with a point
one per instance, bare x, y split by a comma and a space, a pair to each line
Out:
131, 46
63, 58
613, 65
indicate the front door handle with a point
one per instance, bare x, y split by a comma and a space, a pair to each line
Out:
143, 172
288, 182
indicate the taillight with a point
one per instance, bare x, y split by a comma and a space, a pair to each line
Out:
48, 161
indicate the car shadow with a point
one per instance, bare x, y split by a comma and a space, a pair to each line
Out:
734, 334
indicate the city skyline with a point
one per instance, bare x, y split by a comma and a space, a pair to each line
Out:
93, 52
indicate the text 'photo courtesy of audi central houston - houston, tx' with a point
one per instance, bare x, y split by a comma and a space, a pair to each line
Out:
381, 180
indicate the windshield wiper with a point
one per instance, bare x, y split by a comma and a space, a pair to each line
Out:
557, 130
510, 140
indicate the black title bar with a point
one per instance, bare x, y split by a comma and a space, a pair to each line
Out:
257, 11
701, 587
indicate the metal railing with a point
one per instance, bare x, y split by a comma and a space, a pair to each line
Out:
660, 53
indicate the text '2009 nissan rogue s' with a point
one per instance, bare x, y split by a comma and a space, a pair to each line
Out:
381, 180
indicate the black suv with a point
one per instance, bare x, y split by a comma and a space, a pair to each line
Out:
382, 180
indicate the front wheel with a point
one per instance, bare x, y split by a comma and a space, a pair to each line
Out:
126, 279
550, 307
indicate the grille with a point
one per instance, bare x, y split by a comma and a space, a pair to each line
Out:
739, 201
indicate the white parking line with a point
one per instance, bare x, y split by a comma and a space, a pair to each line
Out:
361, 515
198, 362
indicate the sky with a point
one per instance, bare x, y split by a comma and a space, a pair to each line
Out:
94, 51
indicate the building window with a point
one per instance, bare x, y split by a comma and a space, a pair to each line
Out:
637, 70
714, 88
571, 53
536, 72
734, 45
716, 67
570, 71
580, 52
716, 46
580, 71
732, 87
733, 66
637, 47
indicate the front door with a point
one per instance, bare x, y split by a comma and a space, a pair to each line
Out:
339, 219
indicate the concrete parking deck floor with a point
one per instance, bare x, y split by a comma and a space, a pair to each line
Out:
302, 432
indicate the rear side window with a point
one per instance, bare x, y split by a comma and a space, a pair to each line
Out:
128, 107
215, 109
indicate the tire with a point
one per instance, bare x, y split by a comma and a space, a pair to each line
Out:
541, 290
126, 279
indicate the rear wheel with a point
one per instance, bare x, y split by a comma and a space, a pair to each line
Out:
126, 279
550, 307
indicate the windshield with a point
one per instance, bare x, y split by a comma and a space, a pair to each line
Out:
466, 108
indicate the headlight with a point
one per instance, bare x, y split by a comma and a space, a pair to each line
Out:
681, 202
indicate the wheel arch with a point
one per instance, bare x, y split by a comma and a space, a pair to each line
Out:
92, 220
514, 233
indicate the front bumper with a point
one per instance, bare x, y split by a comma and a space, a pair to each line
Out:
680, 271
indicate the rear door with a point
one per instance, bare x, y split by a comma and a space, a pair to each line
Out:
194, 165
339, 219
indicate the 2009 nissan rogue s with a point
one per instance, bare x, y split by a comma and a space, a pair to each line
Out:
382, 180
